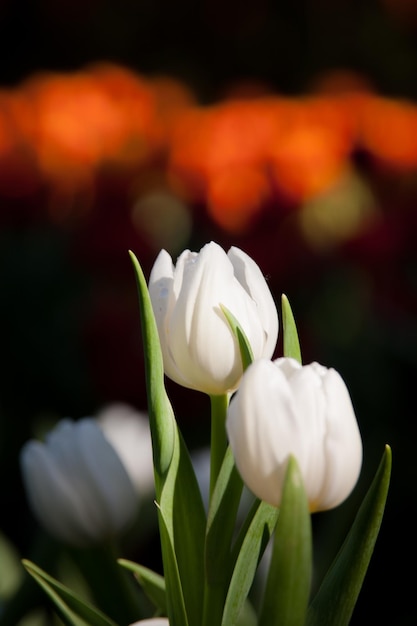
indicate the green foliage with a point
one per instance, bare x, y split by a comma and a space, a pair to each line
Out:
181, 513
246, 353
290, 335
289, 578
337, 596
73, 609
153, 584
250, 548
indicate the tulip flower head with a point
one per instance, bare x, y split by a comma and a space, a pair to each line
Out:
283, 409
199, 349
76, 484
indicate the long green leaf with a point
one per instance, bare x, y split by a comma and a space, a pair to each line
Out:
221, 520
71, 607
246, 353
182, 519
111, 588
291, 342
153, 584
337, 596
250, 552
289, 578
176, 608
161, 415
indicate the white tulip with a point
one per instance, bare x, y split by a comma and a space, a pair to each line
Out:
77, 486
282, 409
198, 346
129, 433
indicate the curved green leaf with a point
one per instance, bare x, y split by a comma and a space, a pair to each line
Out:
339, 591
251, 549
289, 578
182, 518
153, 584
176, 608
246, 353
182, 510
291, 342
71, 607
222, 519
161, 415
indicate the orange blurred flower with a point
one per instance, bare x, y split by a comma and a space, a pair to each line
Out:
313, 149
235, 198
388, 130
19, 175
231, 155
218, 156
92, 118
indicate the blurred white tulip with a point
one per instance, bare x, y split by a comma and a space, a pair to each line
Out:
283, 409
198, 346
76, 484
129, 433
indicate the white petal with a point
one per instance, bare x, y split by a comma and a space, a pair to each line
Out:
343, 443
129, 433
54, 501
263, 429
105, 478
251, 278
203, 345
161, 292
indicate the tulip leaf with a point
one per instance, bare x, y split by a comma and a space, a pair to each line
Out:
263, 519
222, 519
153, 584
181, 514
339, 591
291, 342
176, 608
246, 353
288, 584
160, 410
73, 610
184, 523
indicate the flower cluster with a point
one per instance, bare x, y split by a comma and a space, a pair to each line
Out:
235, 157
285, 430
280, 408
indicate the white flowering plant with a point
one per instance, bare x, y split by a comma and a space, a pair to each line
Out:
286, 430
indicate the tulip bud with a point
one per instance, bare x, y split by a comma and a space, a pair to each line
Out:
76, 484
199, 349
283, 409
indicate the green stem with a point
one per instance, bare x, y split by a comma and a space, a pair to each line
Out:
218, 444
214, 594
